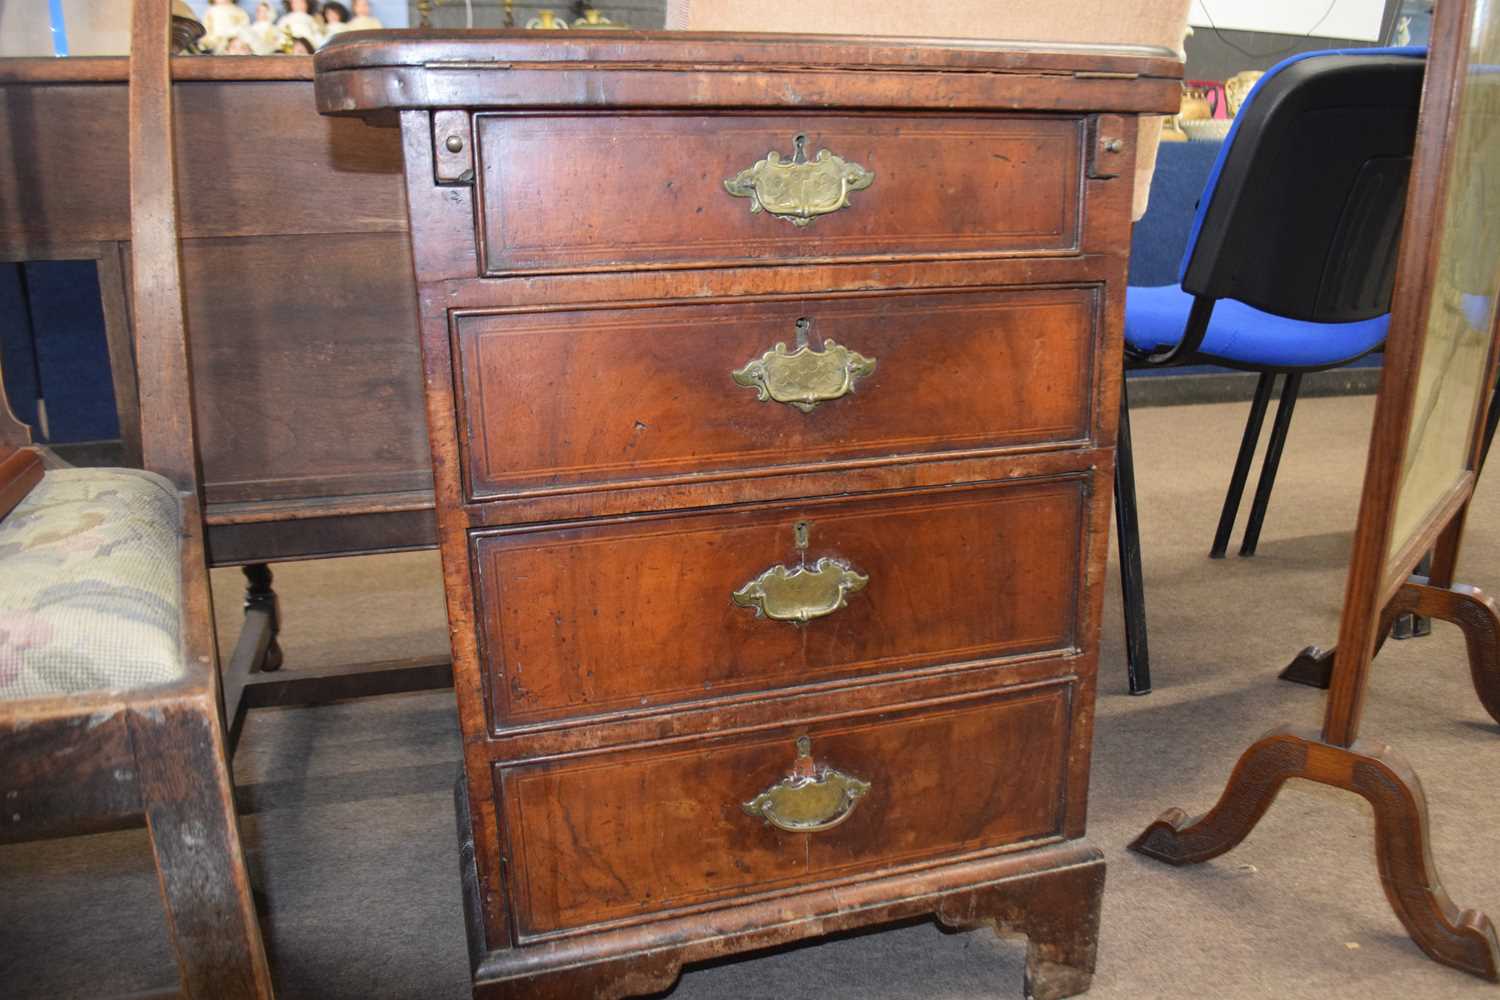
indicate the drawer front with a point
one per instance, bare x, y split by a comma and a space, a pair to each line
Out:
622, 834
584, 399
588, 620
587, 192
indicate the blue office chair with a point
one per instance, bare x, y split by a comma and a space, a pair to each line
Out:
1289, 264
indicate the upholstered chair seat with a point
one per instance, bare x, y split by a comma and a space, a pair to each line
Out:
91, 587
1157, 316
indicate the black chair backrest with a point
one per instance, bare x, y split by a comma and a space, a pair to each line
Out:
1302, 214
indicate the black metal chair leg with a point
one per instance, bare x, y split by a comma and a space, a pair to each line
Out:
1289, 390
1242, 461
1132, 587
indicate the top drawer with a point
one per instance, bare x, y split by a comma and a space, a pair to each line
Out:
589, 192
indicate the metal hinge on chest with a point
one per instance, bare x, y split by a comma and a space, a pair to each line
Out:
452, 147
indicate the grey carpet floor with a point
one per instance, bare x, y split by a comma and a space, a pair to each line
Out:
352, 833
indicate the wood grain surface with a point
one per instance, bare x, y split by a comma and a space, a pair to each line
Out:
582, 304
605, 837
591, 397
943, 185
593, 619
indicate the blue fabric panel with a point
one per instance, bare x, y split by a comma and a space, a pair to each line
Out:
1414, 51
17, 353
1155, 319
1158, 241
71, 350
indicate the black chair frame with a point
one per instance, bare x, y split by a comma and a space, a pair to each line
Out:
1309, 244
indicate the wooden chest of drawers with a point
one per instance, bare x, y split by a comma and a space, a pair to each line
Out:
772, 385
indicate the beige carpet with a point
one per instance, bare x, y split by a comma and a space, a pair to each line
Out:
352, 835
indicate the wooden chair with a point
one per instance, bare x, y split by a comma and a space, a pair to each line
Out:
110, 707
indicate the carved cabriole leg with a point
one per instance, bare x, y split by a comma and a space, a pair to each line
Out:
1461, 605
1257, 777
1059, 915
1314, 665
1463, 939
1467, 607
1473, 611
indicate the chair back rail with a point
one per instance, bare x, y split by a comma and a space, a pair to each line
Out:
1302, 214
169, 441
168, 431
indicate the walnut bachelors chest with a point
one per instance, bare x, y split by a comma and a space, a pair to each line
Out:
772, 385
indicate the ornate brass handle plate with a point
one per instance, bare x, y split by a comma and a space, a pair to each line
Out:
796, 190
809, 799
801, 593
805, 377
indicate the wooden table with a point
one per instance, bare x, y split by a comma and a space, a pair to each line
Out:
306, 369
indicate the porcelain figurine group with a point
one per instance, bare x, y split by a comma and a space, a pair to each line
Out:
303, 26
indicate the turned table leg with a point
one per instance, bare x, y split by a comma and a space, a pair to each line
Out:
259, 596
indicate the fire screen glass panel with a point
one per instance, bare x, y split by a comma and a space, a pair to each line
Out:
1466, 282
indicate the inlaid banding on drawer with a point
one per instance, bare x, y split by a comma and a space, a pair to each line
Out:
605, 618
585, 192
622, 834
590, 398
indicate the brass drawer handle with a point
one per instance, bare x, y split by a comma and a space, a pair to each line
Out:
796, 190
801, 594
811, 798
805, 377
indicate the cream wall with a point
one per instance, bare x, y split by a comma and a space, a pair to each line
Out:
1132, 22
1357, 19
94, 27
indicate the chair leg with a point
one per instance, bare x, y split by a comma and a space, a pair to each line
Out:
1132, 586
1242, 461
189, 806
1283, 421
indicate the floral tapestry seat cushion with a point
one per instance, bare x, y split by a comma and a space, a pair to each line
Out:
90, 585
